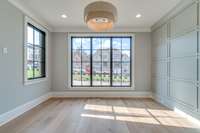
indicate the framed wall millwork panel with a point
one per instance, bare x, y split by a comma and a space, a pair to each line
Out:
165, 91
160, 43
185, 45
156, 43
160, 68
153, 80
184, 93
160, 63
198, 87
164, 41
184, 68
157, 86
160, 86
198, 67
184, 21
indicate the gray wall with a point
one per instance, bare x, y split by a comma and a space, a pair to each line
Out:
175, 57
13, 92
142, 61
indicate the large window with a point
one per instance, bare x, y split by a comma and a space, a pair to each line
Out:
35, 53
101, 61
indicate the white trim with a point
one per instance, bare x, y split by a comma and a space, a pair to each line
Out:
189, 117
10, 115
102, 94
34, 81
27, 12
101, 88
115, 29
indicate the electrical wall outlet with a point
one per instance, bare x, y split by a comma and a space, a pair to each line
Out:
5, 50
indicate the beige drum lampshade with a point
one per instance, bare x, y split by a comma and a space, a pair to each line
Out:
100, 16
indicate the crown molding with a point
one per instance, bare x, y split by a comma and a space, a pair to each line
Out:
86, 29
173, 12
30, 14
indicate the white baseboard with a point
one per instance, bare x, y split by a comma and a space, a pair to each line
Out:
103, 94
187, 116
8, 116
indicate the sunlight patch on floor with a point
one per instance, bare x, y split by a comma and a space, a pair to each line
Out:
98, 116
136, 115
131, 111
163, 113
101, 108
146, 120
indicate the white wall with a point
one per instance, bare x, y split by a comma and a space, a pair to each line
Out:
13, 92
142, 62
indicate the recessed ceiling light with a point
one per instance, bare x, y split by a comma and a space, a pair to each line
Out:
138, 16
64, 16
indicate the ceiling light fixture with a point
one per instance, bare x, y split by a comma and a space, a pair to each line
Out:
100, 16
64, 16
138, 16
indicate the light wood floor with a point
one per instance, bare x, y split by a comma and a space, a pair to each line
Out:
100, 116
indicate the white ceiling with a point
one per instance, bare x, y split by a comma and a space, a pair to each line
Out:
50, 11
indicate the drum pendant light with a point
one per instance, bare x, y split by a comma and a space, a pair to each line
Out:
100, 16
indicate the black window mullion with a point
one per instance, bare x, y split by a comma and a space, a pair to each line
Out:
130, 62
101, 63
111, 61
43, 57
33, 53
72, 62
91, 60
81, 64
121, 61
38, 46
44, 54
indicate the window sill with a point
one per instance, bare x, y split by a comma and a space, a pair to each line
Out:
35, 81
101, 88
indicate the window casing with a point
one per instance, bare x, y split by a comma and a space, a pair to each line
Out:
35, 53
101, 61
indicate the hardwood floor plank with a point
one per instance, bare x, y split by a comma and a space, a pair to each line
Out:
118, 107
95, 117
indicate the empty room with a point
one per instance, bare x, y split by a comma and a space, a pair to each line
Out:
99, 66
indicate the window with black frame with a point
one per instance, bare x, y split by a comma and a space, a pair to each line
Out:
35, 53
101, 61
